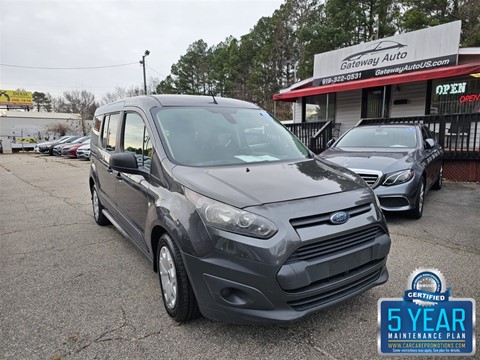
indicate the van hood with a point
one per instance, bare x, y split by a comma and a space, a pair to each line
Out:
263, 183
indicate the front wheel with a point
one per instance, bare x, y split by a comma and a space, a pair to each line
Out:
177, 293
417, 211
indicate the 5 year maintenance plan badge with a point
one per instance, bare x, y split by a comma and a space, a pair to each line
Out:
427, 320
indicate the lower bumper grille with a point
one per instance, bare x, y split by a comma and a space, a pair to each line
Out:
393, 202
356, 280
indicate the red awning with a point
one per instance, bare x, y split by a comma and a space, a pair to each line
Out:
439, 73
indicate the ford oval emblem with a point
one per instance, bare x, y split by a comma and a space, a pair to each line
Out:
340, 217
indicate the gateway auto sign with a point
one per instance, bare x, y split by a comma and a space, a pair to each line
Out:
418, 50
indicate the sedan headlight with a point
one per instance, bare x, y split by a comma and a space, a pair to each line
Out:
398, 177
228, 218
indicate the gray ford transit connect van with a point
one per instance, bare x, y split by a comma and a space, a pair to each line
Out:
241, 221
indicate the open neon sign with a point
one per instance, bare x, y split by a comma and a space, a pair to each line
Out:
469, 98
454, 88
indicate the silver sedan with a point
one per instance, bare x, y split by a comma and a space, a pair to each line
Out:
400, 162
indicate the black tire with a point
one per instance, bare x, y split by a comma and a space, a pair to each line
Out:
100, 219
177, 293
437, 185
417, 211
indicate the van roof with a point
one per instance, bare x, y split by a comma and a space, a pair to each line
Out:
171, 100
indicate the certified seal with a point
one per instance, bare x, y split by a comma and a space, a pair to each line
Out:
426, 287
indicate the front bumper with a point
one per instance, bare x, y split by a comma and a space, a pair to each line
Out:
83, 154
398, 197
293, 274
44, 150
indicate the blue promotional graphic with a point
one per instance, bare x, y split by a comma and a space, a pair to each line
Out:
427, 320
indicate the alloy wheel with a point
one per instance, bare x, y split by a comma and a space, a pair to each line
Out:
168, 277
96, 205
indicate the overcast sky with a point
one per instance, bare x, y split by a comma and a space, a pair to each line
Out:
84, 33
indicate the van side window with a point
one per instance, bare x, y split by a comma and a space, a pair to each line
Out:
97, 121
105, 131
110, 132
136, 139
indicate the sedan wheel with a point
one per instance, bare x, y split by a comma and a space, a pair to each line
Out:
417, 212
437, 185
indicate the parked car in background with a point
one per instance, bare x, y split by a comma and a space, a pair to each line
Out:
241, 221
47, 147
70, 150
399, 162
57, 149
44, 144
83, 152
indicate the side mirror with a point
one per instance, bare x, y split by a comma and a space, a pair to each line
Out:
429, 143
330, 143
124, 162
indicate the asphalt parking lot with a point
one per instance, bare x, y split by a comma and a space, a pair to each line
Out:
71, 289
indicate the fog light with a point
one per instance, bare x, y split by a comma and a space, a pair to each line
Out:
235, 296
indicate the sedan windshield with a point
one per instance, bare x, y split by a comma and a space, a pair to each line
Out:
379, 137
196, 136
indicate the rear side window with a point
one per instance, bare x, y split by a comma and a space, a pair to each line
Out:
97, 122
137, 140
109, 133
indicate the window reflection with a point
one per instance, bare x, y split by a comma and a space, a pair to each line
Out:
136, 139
320, 107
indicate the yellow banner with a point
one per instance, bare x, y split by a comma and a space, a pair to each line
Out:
8, 97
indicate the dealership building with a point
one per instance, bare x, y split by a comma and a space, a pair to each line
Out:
421, 76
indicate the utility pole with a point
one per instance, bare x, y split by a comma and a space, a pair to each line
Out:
144, 74
376, 27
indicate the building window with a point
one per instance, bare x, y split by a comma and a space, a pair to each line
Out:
319, 107
458, 95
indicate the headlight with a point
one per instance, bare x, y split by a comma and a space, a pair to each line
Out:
398, 177
228, 218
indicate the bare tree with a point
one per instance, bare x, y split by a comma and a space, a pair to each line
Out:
77, 102
59, 128
152, 84
121, 93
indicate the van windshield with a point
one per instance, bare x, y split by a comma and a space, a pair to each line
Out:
209, 136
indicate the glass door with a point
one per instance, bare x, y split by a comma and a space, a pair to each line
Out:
375, 102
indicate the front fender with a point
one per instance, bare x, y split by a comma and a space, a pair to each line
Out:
175, 214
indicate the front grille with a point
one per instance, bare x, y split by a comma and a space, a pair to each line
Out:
321, 219
323, 247
354, 281
370, 179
